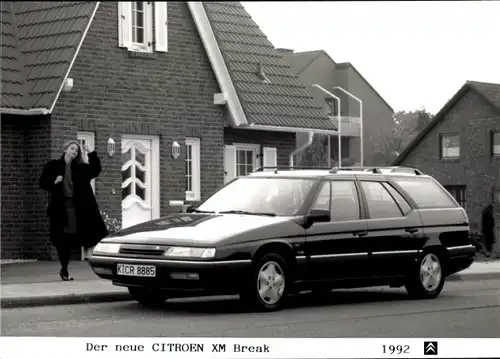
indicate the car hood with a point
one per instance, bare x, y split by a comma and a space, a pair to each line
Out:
193, 228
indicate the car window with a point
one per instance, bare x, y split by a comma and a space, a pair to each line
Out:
380, 203
401, 201
281, 196
322, 201
344, 202
426, 193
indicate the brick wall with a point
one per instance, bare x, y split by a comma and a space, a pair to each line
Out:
473, 118
25, 141
169, 95
11, 196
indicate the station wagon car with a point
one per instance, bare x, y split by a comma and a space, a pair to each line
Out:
276, 232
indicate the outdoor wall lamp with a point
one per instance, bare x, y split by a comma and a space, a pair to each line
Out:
176, 150
111, 147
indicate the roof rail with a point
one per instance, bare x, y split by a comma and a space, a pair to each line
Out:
380, 170
288, 168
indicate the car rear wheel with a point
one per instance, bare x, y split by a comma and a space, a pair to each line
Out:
427, 278
148, 297
268, 288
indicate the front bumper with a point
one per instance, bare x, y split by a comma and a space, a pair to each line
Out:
215, 277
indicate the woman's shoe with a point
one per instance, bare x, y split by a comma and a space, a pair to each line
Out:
65, 276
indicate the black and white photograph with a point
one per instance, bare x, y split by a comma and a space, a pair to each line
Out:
259, 170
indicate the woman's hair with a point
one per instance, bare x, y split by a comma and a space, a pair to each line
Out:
79, 157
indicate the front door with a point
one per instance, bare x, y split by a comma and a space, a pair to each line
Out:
338, 248
140, 179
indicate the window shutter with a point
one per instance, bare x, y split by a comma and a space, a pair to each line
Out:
229, 163
161, 26
270, 157
124, 23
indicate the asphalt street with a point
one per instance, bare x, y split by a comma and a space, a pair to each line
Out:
464, 309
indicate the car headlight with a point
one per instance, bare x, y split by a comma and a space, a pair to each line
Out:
106, 248
190, 252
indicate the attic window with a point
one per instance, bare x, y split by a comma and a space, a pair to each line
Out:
261, 74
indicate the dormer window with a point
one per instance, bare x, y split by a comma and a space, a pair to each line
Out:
136, 30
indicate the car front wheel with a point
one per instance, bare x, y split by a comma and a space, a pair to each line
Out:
427, 279
268, 288
148, 297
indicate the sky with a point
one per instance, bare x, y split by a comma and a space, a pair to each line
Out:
415, 54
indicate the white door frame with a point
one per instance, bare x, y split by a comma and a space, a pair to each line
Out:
89, 138
155, 169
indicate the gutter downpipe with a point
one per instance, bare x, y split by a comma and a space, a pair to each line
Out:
309, 142
361, 135
339, 129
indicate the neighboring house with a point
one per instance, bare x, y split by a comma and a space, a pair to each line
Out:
148, 76
461, 147
318, 68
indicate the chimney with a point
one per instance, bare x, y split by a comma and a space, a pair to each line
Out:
285, 51
261, 74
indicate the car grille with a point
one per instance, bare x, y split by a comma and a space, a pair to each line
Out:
143, 250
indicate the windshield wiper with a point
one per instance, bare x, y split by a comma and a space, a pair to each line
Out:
251, 213
196, 210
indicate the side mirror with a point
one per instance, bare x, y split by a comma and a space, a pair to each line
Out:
189, 209
319, 215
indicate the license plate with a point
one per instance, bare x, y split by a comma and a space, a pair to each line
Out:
136, 270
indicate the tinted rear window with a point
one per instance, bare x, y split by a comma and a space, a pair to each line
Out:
426, 193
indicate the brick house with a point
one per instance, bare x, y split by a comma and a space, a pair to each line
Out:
323, 75
461, 147
148, 76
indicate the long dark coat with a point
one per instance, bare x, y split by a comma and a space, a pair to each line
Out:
90, 225
488, 227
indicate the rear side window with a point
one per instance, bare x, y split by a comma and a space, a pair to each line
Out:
380, 203
426, 193
401, 201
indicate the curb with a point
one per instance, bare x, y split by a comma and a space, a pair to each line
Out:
473, 276
65, 299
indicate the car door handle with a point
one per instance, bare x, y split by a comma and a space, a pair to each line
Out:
360, 233
411, 230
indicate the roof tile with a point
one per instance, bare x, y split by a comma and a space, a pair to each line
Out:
47, 36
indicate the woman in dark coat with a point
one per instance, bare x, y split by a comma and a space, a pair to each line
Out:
488, 227
74, 217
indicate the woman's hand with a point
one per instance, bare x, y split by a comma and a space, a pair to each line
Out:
58, 179
86, 148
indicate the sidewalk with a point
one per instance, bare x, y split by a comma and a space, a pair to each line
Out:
39, 284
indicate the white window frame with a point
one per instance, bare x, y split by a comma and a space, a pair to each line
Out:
445, 150
195, 193
125, 14
248, 147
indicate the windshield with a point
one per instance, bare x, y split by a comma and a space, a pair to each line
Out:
272, 196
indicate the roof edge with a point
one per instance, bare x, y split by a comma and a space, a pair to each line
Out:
289, 129
17, 111
435, 121
347, 65
84, 35
219, 66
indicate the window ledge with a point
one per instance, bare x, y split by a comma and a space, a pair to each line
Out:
192, 198
133, 53
450, 159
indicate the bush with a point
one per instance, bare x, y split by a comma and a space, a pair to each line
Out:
112, 224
